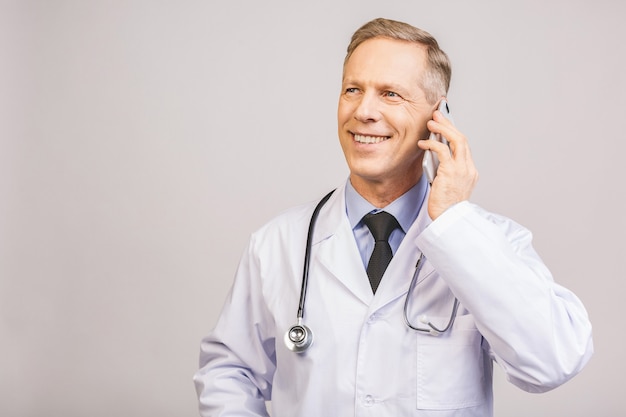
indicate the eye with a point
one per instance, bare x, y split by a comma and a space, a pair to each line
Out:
392, 95
351, 90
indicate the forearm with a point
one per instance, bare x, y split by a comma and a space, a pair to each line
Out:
226, 386
237, 357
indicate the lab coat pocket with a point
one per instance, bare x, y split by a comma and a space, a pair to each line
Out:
450, 367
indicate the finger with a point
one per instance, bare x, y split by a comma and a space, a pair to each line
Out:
458, 142
442, 150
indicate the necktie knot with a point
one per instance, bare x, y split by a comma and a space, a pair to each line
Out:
381, 225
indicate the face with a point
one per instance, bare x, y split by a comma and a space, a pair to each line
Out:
383, 112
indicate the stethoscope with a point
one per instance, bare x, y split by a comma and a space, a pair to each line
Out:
299, 337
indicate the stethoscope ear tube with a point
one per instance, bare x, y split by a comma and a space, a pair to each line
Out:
299, 337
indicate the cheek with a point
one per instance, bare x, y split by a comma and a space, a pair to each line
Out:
416, 124
347, 107
411, 125
424, 133
343, 112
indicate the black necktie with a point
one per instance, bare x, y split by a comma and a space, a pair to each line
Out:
381, 225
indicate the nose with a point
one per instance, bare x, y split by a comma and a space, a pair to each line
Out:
367, 109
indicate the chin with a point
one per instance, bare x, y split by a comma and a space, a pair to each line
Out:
369, 176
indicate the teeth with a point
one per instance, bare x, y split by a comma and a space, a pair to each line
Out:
370, 139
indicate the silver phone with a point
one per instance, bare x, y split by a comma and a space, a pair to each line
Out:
430, 163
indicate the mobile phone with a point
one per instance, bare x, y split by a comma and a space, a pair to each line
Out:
430, 163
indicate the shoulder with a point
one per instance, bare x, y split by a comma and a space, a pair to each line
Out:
287, 225
289, 217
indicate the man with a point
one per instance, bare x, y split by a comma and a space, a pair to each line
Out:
364, 358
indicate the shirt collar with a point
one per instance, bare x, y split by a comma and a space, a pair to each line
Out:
405, 208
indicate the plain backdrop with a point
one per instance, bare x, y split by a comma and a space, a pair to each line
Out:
141, 142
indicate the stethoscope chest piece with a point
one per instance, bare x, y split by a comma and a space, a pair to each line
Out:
298, 338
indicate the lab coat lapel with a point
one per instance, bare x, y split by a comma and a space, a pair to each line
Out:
337, 251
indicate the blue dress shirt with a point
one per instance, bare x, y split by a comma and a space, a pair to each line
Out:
405, 209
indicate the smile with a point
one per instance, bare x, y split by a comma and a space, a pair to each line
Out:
370, 139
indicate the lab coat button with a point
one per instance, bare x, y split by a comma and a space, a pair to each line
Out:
368, 401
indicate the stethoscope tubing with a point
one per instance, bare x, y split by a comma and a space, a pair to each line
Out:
432, 329
307, 255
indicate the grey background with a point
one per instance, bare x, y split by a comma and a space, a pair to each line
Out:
141, 142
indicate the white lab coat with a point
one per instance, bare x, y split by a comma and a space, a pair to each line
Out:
364, 360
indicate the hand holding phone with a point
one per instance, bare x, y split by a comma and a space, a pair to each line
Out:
430, 163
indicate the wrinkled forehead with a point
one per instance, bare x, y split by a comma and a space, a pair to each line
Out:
386, 60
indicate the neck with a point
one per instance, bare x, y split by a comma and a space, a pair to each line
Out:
382, 193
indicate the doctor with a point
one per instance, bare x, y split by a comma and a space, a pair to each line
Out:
364, 359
